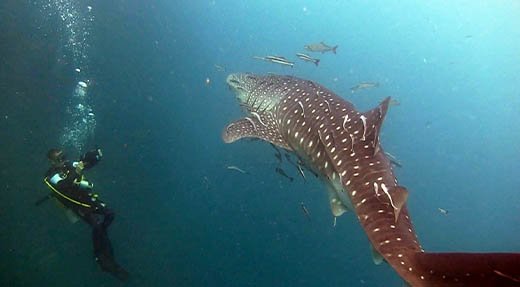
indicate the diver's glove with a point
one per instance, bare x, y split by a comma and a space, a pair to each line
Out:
91, 157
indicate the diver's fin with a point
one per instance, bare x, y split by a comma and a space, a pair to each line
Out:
108, 264
43, 199
73, 218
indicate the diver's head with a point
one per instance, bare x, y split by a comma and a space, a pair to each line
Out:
56, 156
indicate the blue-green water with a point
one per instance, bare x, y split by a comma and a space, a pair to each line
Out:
182, 217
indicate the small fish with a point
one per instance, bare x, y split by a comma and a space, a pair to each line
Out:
320, 47
282, 173
299, 165
278, 154
394, 102
300, 170
305, 211
364, 86
276, 59
219, 68
443, 211
289, 159
302, 165
393, 159
232, 167
278, 157
308, 58
205, 181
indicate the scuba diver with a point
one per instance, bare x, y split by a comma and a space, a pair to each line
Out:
69, 186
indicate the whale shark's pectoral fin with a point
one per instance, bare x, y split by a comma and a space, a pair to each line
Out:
257, 126
376, 256
336, 206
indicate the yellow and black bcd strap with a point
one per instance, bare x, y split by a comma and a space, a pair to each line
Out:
46, 180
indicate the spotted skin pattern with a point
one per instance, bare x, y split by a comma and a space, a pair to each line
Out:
343, 146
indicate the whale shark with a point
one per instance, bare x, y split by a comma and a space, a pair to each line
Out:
343, 146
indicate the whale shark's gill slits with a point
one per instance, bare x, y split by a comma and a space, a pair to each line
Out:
255, 99
251, 76
234, 81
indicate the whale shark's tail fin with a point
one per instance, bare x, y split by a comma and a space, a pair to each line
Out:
469, 269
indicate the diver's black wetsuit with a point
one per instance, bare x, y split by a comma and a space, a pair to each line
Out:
70, 187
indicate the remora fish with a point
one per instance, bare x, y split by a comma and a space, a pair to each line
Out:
443, 211
308, 58
297, 165
364, 86
320, 47
276, 59
343, 145
305, 210
232, 167
392, 158
281, 172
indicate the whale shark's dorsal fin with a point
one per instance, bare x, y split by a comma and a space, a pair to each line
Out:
372, 121
258, 125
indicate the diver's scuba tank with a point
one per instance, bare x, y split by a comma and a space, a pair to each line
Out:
85, 184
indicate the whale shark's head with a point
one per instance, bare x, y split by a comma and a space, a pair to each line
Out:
241, 84
256, 93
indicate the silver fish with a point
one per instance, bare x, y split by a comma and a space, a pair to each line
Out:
281, 172
320, 47
308, 58
236, 168
305, 211
364, 86
219, 68
276, 59
393, 159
